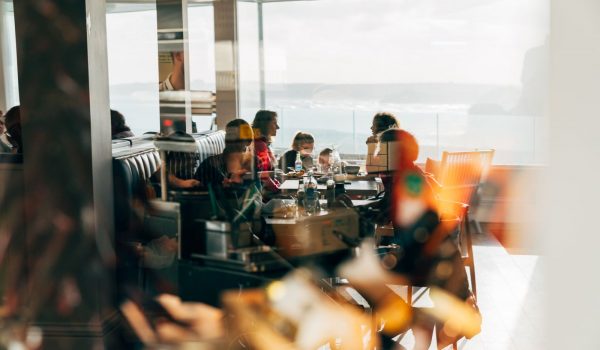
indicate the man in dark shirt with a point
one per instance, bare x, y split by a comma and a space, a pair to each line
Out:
230, 166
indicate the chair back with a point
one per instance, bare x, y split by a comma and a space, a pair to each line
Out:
460, 174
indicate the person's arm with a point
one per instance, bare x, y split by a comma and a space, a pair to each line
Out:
181, 183
288, 160
166, 84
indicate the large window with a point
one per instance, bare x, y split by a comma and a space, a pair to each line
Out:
133, 65
249, 67
459, 74
133, 62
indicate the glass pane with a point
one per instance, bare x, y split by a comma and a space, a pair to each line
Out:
201, 33
248, 46
458, 74
133, 67
202, 47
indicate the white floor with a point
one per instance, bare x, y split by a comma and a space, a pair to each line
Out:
510, 298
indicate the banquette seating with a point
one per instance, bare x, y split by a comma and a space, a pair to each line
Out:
135, 161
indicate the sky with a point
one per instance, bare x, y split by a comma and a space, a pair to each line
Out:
352, 41
377, 41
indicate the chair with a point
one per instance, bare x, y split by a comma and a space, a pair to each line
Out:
460, 175
455, 216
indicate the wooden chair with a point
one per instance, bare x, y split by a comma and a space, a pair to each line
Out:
455, 216
460, 174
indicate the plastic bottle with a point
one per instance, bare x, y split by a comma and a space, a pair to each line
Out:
311, 194
298, 163
301, 199
330, 193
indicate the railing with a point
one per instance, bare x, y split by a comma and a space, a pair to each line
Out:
517, 139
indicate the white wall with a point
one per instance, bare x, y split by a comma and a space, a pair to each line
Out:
570, 216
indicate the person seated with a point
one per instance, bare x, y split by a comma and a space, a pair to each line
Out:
424, 245
181, 166
228, 168
4, 144
325, 159
119, 130
232, 177
303, 144
382, 121
265, 128
12, 119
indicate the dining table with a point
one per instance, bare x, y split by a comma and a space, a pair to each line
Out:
354, 188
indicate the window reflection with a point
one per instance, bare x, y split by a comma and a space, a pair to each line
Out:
460, 75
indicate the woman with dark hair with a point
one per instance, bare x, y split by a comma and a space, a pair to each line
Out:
303, 144
382, 121
265, 128
119, 129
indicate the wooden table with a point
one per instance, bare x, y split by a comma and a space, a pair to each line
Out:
363, 188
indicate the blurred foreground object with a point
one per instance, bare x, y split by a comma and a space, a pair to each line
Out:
460, 175
167, 320
294, 314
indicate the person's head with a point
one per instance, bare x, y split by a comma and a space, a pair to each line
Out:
117, 122
303, 142
325, 156
13, 128
265, 124
238, 135
400, 147
383, 121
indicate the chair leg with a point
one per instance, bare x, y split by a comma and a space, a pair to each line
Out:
409, 295
470, 259
477, 226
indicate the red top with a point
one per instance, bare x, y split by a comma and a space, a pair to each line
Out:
266, 159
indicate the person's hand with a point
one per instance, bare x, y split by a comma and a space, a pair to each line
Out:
190, 183
236, 177
168, 244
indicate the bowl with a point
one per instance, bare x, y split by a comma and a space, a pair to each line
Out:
352, 169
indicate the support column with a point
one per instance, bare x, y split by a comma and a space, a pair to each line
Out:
261, 55
3, 67
173, 63
226, 61
67, 284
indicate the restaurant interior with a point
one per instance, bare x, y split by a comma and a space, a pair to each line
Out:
299, 174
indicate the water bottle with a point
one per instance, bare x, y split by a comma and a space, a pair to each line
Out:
298, 163
309, 201
330, 193
311, 194
301, 198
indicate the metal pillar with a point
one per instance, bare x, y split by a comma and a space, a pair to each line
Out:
261, 55
226, 61
3, 67
173, 61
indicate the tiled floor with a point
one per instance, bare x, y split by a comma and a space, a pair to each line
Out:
510, 297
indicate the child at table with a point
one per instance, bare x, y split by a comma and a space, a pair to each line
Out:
303, 144
325, 159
